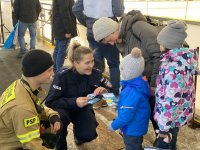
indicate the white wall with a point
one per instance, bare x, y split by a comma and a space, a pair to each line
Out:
193, 38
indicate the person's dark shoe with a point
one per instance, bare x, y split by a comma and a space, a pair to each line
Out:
78, 142
20, 55
155, 142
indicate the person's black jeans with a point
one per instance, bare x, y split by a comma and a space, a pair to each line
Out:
84, 125
172, 144
133, 142
152, 105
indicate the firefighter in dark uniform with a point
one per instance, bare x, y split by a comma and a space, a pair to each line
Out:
20, 109
68, 95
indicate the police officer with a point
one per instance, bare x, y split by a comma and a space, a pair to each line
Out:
68, 95
20, 109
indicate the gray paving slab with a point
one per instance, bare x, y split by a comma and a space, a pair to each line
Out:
9, 68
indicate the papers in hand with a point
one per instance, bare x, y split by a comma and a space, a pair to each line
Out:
94, 98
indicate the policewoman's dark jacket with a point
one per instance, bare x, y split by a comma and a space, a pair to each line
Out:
68, 85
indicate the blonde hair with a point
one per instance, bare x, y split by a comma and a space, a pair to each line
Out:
76, 52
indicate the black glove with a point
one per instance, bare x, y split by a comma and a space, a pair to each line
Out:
54, 119
49, 139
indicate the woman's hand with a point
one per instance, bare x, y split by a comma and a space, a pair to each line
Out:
81, 101
100, 90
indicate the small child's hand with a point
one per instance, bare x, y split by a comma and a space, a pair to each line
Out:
110, 127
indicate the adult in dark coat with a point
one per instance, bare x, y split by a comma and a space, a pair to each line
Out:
63, 29
133, 31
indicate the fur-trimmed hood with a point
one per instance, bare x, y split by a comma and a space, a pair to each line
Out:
129, 19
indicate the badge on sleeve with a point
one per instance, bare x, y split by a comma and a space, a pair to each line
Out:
31, 121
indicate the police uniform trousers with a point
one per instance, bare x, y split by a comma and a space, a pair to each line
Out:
84, 125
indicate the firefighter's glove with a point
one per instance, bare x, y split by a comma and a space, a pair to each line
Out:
55, 123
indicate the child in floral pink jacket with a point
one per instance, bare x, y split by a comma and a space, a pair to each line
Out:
175, 92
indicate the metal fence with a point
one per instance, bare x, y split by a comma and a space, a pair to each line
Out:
162, 10
44, 22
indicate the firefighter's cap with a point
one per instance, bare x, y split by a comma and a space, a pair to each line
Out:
36, 62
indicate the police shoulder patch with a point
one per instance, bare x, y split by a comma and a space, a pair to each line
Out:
57, 87
31, 121
63, 70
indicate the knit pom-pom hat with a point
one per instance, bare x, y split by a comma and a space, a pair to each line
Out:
132, 65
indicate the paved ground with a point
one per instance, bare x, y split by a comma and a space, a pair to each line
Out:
10, 69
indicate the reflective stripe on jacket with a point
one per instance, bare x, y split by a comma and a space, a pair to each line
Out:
19, 120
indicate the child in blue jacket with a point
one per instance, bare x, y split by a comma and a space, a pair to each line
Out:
133, 106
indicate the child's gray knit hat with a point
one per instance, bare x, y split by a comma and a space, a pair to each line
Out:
173, 35
132, 65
